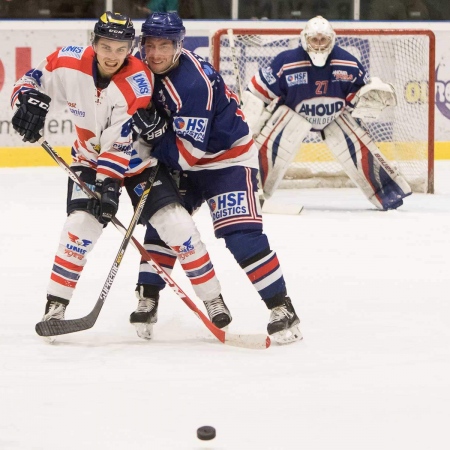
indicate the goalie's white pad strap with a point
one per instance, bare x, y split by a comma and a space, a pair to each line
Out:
278, 143
365, 165
372, 99
255, 112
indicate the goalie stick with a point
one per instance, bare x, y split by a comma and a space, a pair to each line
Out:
251, 341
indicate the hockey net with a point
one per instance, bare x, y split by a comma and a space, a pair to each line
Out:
404, 134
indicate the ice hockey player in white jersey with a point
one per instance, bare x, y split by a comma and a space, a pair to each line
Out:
322, 87
208, 140
103, 85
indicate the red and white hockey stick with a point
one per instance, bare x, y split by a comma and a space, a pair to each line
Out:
252, 341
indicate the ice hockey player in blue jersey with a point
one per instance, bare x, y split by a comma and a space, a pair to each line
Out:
210, 143
322, 87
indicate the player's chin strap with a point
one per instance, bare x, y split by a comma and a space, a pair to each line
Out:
363, 162
252, 341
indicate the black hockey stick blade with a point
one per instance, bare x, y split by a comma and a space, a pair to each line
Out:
58, 327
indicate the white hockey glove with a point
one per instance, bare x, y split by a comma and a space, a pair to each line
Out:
372, 99
255, 112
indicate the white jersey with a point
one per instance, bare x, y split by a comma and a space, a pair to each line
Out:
102, 117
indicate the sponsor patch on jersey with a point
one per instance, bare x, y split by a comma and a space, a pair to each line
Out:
124, 147
342, 75
268, 75
74, 110
194, 127
297, 78
320, 111
230, 204
140, 84
71, 51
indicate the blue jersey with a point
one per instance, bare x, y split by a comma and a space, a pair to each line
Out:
317, 93
207, 129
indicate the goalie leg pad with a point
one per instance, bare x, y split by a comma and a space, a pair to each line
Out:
278, 143
380, 181
255, 112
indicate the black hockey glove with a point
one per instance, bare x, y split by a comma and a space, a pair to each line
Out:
29, 118
105, 207
149, 124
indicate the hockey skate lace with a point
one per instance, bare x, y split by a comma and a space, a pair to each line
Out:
215, 307
280, 313
56, 311
146, 305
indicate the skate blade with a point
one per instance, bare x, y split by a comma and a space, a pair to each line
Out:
49, 339
288, 336
144, 330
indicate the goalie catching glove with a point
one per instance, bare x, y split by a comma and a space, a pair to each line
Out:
29, 118
149, 124
372, 99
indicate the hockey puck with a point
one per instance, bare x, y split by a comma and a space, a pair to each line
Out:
206, 433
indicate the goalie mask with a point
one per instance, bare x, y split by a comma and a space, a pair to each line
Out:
114, 26
163, 25
318, 39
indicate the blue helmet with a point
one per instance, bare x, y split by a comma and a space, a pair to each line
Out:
165, 25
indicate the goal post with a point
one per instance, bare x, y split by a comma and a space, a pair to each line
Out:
404, 134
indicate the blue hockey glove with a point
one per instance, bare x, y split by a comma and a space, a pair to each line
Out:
149, 124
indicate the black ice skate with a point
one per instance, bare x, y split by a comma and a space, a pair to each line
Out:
145, 316
54, 310
283, 326
218, 312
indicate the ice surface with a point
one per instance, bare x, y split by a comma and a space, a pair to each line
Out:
373, 371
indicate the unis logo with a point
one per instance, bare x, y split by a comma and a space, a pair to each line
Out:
71, 51
342, 75
320, 111
185, 250
78, 247
443, 87
268, 75
228, 205
140, 84
297, 78
195, 127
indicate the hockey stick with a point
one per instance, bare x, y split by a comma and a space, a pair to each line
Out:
253, 341
57, 327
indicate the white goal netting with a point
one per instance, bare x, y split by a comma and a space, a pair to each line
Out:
404, 134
